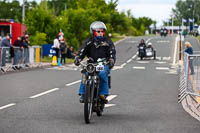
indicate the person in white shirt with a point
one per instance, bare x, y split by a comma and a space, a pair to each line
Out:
56, 46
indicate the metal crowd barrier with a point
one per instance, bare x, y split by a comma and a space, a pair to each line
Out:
190, 82
23, 58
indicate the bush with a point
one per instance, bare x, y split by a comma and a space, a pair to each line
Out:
38, 39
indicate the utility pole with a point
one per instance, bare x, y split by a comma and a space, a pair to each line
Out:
23, 12
172, 24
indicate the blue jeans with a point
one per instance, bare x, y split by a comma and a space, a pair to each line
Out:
3, 56
17, 56
103, 88
26, 56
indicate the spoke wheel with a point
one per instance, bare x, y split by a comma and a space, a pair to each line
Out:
88, 104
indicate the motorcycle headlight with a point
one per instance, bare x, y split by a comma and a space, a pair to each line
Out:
90, 68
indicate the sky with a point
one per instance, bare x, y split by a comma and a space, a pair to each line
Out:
158, 10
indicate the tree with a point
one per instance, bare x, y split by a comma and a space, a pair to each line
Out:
10, 10
41, 20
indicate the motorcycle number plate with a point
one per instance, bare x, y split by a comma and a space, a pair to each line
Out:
99, 68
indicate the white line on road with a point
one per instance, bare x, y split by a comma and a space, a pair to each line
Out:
109, 105
162, 68
109, 98
128, 61
43, 93
160, 62
122, 65
140, 68
135, 55
75, 82
142, 62
6, 106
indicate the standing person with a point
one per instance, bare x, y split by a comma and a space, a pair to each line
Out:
56, 46
70, 53
189, 50
63, 50
5, 44
98, 46
26, 46
18, 46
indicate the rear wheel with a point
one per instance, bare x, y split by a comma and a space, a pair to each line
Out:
154, 55
88, 104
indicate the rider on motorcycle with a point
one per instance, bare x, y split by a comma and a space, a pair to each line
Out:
98, 46
142, 44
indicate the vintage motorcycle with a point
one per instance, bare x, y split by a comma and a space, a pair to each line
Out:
92, 101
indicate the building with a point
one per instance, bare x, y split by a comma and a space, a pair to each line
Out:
7, 26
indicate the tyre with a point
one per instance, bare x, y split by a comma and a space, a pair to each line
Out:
154, 55
88, 104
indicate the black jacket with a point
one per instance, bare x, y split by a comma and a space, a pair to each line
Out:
142, 45
98, 49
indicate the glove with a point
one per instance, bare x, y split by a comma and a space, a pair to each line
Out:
111, 63
77, 61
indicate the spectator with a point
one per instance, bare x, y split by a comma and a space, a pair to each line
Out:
18, 46
56, 46
63, 50
26, 46
189, 50
70, 53
5, 44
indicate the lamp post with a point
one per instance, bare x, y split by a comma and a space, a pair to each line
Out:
23, 11
172, 24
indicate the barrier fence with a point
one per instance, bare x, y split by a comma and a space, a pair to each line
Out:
16, 58
190, 77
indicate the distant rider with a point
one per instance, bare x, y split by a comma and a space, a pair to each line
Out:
98, 46
142, 44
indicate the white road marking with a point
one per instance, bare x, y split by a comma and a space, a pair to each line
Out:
109, 105
6, 106
166, 58
148, 40
128, 61
110, 97
143, 62
135, 55
159, 58
122, 65
117, 67
160, 62
164, 41
75, 82
140, 68
162, 68
44, 93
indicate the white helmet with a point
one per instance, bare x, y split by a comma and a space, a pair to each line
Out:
97, 25
149, 44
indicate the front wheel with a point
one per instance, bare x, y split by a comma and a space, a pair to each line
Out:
88, 104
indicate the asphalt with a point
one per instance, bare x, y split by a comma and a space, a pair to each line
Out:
146, 99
